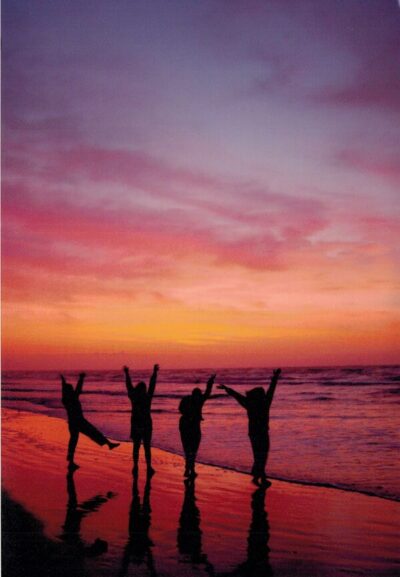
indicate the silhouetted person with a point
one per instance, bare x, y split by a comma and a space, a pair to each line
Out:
257, 403
189, 532
190, 408
72, 526
77, 422
139, 546
141, 422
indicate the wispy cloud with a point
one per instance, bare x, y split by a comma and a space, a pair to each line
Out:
376, 163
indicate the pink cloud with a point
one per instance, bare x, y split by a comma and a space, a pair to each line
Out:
225, 221
91, 240
373, 162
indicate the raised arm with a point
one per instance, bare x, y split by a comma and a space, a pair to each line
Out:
241, 399
63, 384
79, 384
128, 382
274, 381
153, 381
207, 393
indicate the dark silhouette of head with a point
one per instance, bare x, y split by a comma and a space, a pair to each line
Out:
256, 394
68, 392
141, 388
196, 393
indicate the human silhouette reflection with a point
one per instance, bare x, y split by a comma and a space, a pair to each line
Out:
138, 549
257, 562
75, 512
189, 532
258, 550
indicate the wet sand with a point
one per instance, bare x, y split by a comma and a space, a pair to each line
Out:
221, 525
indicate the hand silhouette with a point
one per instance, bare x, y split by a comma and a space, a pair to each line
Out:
156, 368
125, 369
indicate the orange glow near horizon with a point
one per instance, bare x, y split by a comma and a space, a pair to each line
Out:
182, 337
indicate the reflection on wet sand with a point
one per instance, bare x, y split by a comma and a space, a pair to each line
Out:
138, 549
189, 540
71, 529
257, 561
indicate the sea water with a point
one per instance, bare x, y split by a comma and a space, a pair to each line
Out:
337, 426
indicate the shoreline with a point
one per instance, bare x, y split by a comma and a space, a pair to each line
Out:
323, 485
219, 525
292, 481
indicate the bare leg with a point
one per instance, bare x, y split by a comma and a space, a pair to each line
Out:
185, 439
195, 443
255, 470
263, 462
260, 446
95, 435
188, 449
73, 441
147, 453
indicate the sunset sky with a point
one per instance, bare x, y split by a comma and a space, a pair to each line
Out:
200, 183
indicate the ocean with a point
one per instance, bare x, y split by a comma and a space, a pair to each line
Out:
334, 426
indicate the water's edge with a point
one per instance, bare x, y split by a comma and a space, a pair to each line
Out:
330, 486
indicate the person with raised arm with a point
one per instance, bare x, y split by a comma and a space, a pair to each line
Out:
77, 422
257, 403
190, 408
141, 423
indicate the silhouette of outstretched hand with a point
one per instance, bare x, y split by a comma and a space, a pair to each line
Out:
211, 379
82, 375
156, 368
63, 378
125, 369
277, 373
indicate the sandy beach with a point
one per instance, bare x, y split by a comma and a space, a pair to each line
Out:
221, 525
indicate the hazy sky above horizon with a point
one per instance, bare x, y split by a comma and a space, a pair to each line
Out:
209, 183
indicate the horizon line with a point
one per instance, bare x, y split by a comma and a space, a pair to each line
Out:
210, 368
